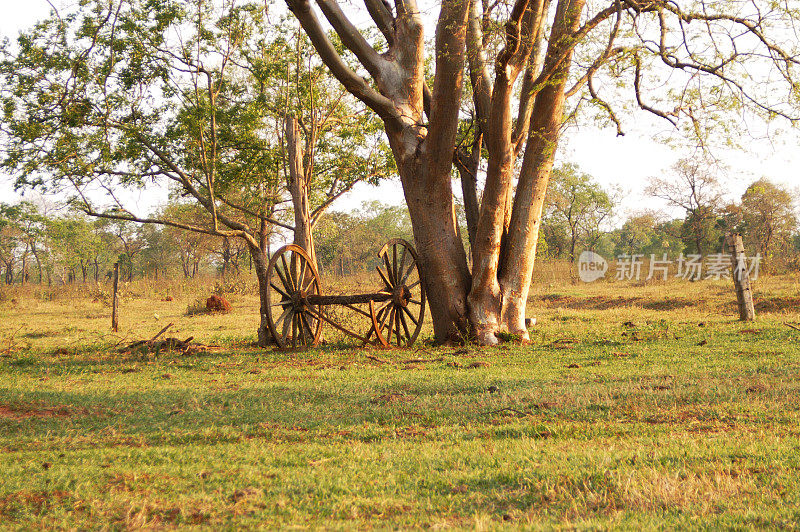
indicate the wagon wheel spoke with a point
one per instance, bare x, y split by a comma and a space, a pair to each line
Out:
389, 285
281, 292
286, 324
285, 313
378, 315
409, 271
389, 270
415, 302
394, 262
301, 278
294, 330
397, 327
388, 333
282, 276
416, 283
407, 312
288, 282
307, 326
301, 333
390, 315
311, 281
402, 259
301, 329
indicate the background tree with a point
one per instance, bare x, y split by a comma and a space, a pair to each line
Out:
349, 242
578, 206
158, 257
646, 234
74, 244
693, 189
23, 233
769, 218
10, 240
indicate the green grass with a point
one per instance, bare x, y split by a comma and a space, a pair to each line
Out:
596, 424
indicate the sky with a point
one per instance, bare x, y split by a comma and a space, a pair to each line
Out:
622, 162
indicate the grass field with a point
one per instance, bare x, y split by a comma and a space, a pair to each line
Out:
636, 406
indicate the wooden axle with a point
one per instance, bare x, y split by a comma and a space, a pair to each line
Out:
355, 299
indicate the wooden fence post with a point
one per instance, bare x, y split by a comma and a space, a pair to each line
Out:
741, 278
115, 301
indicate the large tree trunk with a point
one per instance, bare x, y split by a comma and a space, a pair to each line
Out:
24, 269
38, 264
424, 163
486, 297
468, 164
443, 262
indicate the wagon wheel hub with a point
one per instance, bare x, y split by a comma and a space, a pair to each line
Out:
401, 296
299, 300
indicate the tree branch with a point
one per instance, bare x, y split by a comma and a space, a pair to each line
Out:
355, 84
381, 14
352, 38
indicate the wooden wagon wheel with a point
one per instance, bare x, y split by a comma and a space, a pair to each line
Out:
292, 278
399, 319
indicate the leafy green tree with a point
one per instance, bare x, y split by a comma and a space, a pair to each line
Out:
73, 242
769, 218
637, 233
644, 234
158, 257
10, 249
577, 208
349, 242
120, 94
22, 233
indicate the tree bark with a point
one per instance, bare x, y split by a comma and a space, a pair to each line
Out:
115, 300
535, 174
467, 164
260, 263
485, 298
38, 263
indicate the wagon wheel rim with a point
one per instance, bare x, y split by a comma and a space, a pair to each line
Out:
291, 277
400, 318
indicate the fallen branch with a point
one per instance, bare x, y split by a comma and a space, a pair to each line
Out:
169, 344
162, 331
795, 327
376, 359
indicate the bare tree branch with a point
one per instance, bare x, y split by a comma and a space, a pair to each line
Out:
353, 82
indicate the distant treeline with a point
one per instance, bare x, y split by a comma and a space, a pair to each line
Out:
581, 215
41, 247
37, 246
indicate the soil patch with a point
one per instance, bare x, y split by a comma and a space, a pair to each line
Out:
777, 304
22, 411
